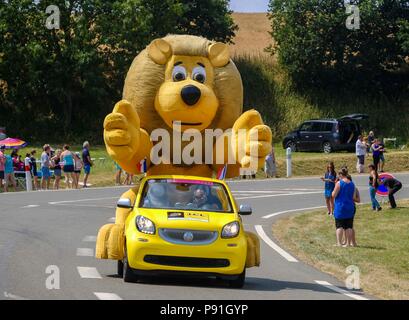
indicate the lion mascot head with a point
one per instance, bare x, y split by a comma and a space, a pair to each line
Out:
185, 78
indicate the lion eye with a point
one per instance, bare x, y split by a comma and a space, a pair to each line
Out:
199, 74
179, 73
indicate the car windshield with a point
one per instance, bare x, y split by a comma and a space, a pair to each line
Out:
182, 194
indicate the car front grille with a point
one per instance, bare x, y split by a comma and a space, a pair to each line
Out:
187, 262
188, 237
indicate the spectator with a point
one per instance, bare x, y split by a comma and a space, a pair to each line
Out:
373, 187
55, 163
381, 155
376, 153
345, 194
270, 167
370, 140
33, 169
77, 168
118, 174
360, 150
330, 177
68, 159
86, 159
45, 167
18, 164
128, 179
393, 186
9, 173
2, 163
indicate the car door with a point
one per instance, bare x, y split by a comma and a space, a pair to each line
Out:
317, 136
304, 136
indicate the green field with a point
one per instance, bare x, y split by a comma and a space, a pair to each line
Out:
382, 255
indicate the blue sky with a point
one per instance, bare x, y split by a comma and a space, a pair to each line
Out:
249, 5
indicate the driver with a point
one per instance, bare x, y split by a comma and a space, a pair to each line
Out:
199, 198
156, 197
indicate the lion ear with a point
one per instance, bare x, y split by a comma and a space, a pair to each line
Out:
219, 54
159, 51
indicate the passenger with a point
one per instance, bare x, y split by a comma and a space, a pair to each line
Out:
156, 197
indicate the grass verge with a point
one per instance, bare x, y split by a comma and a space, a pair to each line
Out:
382, 255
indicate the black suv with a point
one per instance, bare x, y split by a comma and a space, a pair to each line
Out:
326, 134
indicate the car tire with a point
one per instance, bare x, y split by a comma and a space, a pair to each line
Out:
239, 282
120, 268
128, 273
327, 147
291, 144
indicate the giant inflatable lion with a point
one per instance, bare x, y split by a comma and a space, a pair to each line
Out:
185, 79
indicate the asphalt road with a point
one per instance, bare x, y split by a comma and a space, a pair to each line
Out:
52, 233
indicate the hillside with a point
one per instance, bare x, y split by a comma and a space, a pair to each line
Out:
283, 107
252, 36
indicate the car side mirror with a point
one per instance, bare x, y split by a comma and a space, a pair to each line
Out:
124, 203
245, 210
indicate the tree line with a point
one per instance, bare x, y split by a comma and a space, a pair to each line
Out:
60, 83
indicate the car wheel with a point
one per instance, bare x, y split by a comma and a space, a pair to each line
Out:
292, 145
128, 272
120, 268
239, 282
326, 147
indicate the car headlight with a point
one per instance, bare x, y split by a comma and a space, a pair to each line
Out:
145, 225
231, 230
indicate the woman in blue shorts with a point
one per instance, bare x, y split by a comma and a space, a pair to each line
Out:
345, 195
68, 159
330, 177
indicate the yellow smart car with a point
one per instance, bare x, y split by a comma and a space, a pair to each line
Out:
186, 225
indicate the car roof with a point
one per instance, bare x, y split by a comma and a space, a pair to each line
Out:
321, 120
180, 177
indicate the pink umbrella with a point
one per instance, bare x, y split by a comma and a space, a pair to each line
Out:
13, 143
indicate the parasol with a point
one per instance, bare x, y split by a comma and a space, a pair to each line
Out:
13, 143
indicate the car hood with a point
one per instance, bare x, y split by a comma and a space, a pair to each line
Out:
184, 219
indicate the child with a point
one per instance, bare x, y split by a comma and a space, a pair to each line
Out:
373, 187
33, 168
329, 178
78, 164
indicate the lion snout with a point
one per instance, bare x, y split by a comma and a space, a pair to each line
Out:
190, 94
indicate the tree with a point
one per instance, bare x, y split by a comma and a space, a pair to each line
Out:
403, 35
315, 46
63, 81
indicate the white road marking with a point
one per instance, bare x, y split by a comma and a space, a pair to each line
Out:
13, 296
89, 239
85, 252
80, 200
64, 190
339, 290
107, 296
275, 247
84, 205
301, 189
278, 195
89, 273
260, 191
287, 211
111, 219
30, 206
